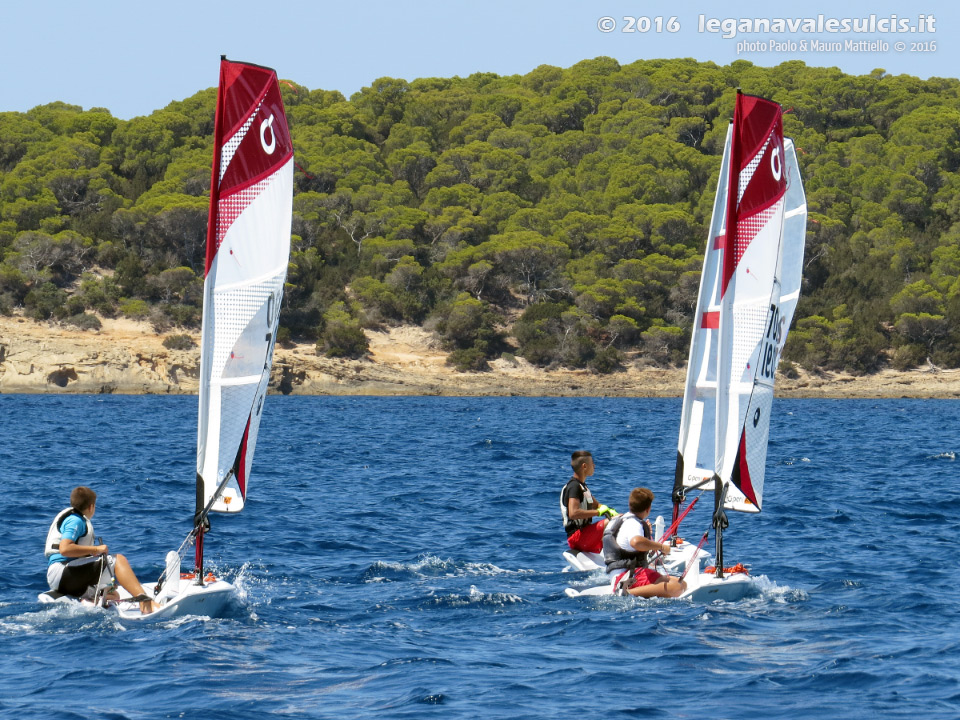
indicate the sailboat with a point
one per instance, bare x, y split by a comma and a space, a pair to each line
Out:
749, 289
247, 254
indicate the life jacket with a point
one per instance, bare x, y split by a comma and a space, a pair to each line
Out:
571, 526
615, 557
54, 535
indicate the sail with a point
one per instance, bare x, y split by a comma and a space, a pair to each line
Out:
749, 290
248, 249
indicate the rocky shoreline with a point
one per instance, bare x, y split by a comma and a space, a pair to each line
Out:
128, 357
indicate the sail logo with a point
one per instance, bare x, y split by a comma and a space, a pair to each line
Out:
267, 126
776, 163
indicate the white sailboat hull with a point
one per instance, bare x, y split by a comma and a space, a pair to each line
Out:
707, 587
207, 600
578, 561
675, 562
701, 587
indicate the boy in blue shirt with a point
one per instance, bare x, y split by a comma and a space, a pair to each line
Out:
79, 568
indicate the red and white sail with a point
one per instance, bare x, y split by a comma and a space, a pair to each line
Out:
248, 250
748, 293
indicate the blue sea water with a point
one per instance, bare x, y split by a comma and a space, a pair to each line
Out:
401, 558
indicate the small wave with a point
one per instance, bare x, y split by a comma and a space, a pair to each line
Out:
416, 696
59, 617
432, 566
14, 628
184, 620
475, 598
413, 661
949, 455
771, 591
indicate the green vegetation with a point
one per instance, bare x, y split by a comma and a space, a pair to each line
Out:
179, 342
558, 216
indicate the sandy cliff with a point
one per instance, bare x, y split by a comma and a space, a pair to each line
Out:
129, 357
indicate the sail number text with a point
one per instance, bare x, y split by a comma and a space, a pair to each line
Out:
772, 343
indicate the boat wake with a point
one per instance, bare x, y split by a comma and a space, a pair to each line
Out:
768, 591
242, 583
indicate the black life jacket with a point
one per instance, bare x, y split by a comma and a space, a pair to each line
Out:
571, 526
615, 557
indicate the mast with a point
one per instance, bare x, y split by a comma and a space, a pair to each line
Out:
200, 522
247, 253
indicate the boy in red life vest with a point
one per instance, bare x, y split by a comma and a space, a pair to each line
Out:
578, 507
626, 545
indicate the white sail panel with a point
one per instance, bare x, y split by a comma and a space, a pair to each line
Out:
790, 271
765, 358
256, 245
748, 315
697, 444
244, 317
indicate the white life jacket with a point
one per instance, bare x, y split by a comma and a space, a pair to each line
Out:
54, 535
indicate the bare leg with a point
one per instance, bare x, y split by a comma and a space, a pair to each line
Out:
667, 587
128, 581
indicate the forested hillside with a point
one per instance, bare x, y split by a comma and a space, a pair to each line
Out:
559, 215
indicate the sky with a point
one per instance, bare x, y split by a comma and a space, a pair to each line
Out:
133, 58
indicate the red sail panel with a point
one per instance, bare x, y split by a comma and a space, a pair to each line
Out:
757, 179
251, 142
710, 320
242, 462
741, 471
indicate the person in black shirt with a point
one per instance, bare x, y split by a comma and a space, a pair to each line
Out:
578, 507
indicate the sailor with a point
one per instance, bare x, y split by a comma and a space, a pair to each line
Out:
578, 507
628, 543
79, 568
